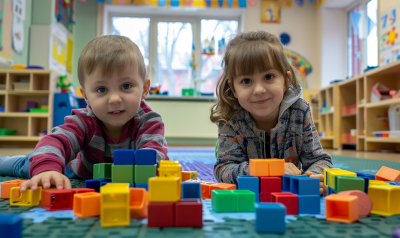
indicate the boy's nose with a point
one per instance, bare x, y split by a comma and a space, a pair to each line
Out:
115, 98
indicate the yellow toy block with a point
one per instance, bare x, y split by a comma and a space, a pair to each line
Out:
377, 182
326, 172
385, 199
170, 171
28, 198
164, 189
168, 163
114, 205
333, 173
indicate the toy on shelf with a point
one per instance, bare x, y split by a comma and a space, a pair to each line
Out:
155, 89
380, 92
7, 132
394, 93
64, 84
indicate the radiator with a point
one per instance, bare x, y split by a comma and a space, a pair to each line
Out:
185, 119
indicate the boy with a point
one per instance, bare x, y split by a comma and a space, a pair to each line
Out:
113, 81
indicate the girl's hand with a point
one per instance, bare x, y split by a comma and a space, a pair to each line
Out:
322, 188
290, 168
45, 179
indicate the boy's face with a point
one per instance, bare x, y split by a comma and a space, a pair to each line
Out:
115, 100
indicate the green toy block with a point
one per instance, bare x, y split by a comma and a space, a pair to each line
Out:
102, 171
346, 183
144, 172
123, 174
244, 200
223, 201
187, 92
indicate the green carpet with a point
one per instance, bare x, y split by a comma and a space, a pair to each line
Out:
368, 166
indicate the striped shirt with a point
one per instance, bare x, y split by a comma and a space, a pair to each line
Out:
83, 141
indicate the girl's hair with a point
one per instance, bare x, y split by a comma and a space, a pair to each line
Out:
246, 53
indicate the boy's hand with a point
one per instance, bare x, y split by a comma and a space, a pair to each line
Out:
322, 188
290, 168
46, 179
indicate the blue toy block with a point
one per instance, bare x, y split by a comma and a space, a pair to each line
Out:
369, 176
191, 190
131, 185
94, 183
10, 225
331, 191
251, 183
304, 185
146, 156
270, 217
124, 157
287, 181
62, 106
142, 185
309, 204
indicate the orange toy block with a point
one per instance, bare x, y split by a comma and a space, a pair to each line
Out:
342, 208
139, 200
186, 175
222, 186
364, 201
276, 167
87, 204
388, 174
259, 167
6, 188
205, 190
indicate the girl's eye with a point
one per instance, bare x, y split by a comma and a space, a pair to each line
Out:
246, 81
126, 86
101, 90
269, 76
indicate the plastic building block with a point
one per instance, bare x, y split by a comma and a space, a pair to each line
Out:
102, 171
123, 174
191, 190
265, 197
341, 208
377, 183
331, 191
287, 181
251, 183
114, 208
332, 174
270, 184
186, 175
290, 200
161, 214
168, 162
259, 167
10, 225
369, 176
28, 198
142, 185
124, 157
189, 213
388, 174
144, 172
6, 187
223, 201
170, 171
81, 190
244, 200
385, 199
305, 185
206, 190
346, 183
57, 200
276, 167
138, 205
270, 217
145, 157
87, 204
364, 202
222, 186
94, 184
326, 174
164, 189
131, 185
309, 204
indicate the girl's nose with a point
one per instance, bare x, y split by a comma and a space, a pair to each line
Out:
259, 89
115, 98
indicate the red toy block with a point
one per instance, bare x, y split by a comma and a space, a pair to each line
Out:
161, 214
189, 213
265, 197
388, 174
57, 199
82, 190
270, 184
290, 200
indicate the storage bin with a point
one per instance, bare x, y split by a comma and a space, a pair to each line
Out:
21, 86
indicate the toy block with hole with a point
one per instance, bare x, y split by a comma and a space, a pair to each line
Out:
385, 199
305, 185
270, 217
244, 200
186, 175
290, 200
334, 173
346, 183
142, 185
223, 201
139, 200
144, 172
287, 181
189, 213
164, 189
369, 176
10, 225
102, 171
259, 167
124, 157
206, 190
388, 174
191, 190
145, 157
364, 202
123, 174
270, 184
251, 183
57, 200
341, 208
170, 171
168, 163
161, 214
276, 167
94, 184
326, 174
28, 198
131, 185
114, 205
6, 187
87, 204
309, 204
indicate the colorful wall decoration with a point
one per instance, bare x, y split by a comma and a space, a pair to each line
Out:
58, 49
185, 3
301, 64
1, 23
64, 13
270, 11
389, 40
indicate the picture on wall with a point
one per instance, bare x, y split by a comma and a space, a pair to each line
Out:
389, 39
270, 11
1, 23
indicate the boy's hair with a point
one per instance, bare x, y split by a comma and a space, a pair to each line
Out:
109, 53
246, 53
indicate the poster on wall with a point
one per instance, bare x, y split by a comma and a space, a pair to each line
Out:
270, 11
58, 49
18, 34
1, 23
389, 40
70, 53
19, 9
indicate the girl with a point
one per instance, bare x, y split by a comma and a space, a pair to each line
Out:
260, 113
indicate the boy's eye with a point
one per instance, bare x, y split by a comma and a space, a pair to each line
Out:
126, 86
101, 90
268, 76
246, 81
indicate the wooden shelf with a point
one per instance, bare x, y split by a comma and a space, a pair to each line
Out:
327, 138
361, 137
23, 114
382, 139
383, 103
325, 113
361, 106
349, 116
20, 138
316, 121
28, 92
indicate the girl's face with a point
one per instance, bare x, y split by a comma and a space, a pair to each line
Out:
261, 93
